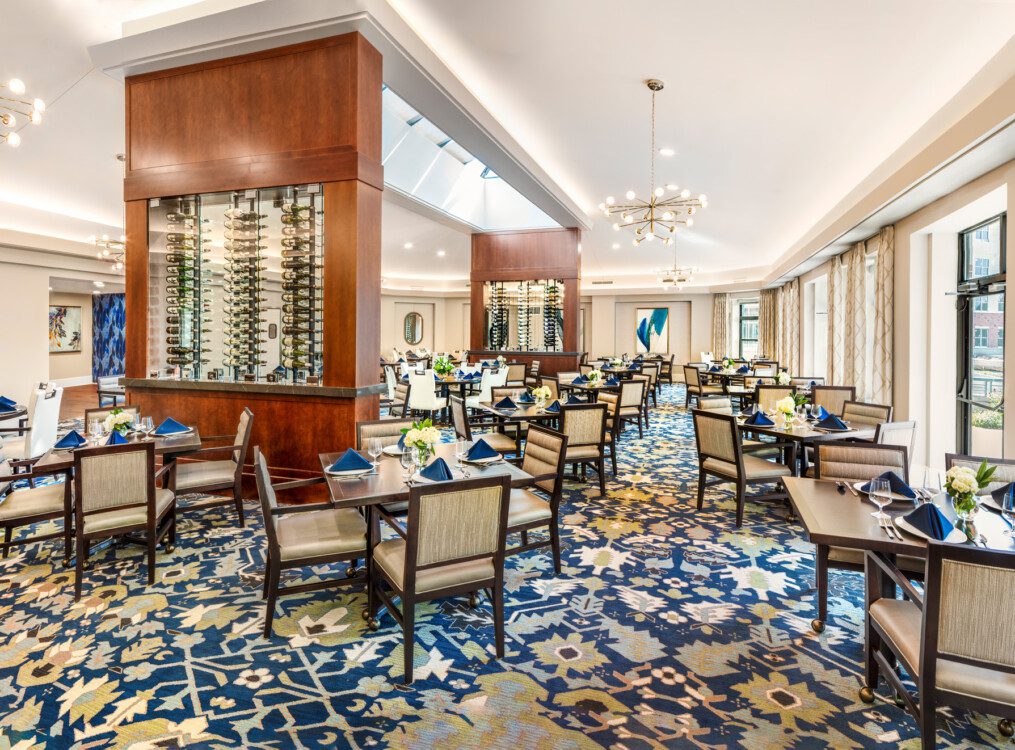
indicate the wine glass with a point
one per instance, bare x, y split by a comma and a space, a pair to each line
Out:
1008, 509
880, 493
375, 446
408, 461
138, 422
461, 451
95, 430
932, 481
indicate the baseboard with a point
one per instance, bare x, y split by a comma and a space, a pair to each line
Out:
71, 382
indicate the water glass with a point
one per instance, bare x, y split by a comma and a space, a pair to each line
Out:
881, 495
932, 481
1008, 509
95, 430
375, 446
408, 461
461, 451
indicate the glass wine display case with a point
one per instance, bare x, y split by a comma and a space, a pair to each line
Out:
235, 284
524, 315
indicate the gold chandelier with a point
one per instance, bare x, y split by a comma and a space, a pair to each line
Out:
110, 250
11, 107
666, 207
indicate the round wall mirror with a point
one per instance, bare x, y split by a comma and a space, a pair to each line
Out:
413, 328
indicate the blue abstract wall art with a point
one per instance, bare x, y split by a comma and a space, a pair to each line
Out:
108, 335
652, 330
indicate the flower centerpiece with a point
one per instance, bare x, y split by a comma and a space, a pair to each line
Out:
443, 367
422, 436
786, 408
616, 361
541, 394
962, 484
595, 376
783, 378
119, 420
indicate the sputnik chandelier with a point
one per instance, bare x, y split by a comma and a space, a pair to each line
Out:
11, 107
675, 276
666, 207
110, 250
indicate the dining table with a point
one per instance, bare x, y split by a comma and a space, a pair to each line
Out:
523, 413
17, 412
799, 437
589, 389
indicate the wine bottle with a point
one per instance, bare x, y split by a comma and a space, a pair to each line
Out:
296, 232
292, 208
239, 213
178, 216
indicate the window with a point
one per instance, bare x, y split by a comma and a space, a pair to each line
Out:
1000, 338
980, 336
1000, 304
981, 234
982, 250
980, 304
748, 316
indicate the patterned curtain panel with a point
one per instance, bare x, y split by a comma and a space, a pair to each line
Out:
787, 349
768, 323
108, 335
720, 325
884, 316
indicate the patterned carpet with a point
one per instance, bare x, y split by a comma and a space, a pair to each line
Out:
667, 629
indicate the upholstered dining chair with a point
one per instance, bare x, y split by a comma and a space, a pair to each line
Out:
499, 441
952, 639
862, 414
423, 396
651, 371
1003, 474
516, 374
724, 405
611, 438
585, 428
553, 384
832, 397
766, 370
721, 455
33, 396
214, 476
104, 411
852, 462
115, 494
452, 543
544, 460
300, 536
390, 430
896, 433
767, 395
26, 506
666, 370
567, 376
633, 406
391, 381
399, 405
490, 377
804, 381
695, 387
40, 435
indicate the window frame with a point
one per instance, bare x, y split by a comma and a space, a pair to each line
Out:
740, 325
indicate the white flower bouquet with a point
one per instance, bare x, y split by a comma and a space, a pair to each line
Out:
962, 484
119, 420
616, 361
595, 376
783, 378
542, 393
786, 406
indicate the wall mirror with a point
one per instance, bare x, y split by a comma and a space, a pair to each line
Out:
412, 327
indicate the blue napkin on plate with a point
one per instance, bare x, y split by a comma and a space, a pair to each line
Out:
577, 381
526, 398
437, 471
279, 370
821, 413
715, 368
813, 383
553, 408
743, 369
170, 426
832, 422
350, 461
506, 403
6, 404
748, 410
115, 438
931, 521
639, 358
573, 400
759, 419
401, 442
895, 482
405, 378
69, 441
1000, 492
612, 381
481, 450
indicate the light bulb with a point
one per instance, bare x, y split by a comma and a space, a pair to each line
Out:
650, 237
16, 85
673, 229
610, 200
703, 198
38, 105
407, 246
8, 120
636, 242
105, 252
658, 192
667, 216
602, 206
668, 241
692, 210
98, 255
13, 140
628, 219
36, 117
629, 195
689, 221
685, 193
616, 227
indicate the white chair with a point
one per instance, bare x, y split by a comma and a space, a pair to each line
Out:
41, 435
707, 357
423, 393
391, 380
489, 380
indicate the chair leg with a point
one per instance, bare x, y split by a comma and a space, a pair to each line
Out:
7, 540
641, 431
701, 489
555, 544
525, 537
498, 618
238, 502
267, 572
821, 584
152, 542
274, 569
601, 470
408, 626
741, 492
79, 567
928, 723
613, 457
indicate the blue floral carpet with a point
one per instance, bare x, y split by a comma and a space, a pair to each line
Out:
667, 629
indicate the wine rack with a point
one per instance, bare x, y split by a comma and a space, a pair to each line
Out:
524, 315
301, 284
242, 287
498, 310
187, 293
551, 317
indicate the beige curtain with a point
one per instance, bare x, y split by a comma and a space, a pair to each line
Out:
884, 317
768, 322
787, 348
720, 325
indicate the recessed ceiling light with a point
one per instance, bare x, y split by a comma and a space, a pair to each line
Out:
407, 246
667, 151
616, 245
441, 253
51, 289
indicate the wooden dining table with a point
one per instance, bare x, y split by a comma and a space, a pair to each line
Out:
524, 413
800, 437
16, 413
588, 388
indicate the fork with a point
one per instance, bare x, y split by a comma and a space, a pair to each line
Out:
886, 525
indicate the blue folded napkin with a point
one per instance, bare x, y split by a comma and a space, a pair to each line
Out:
472, 376
1000, 493
6, 404
436, 376
577, 381
759, 419
115, 438
350, 461
526, 398
573, 400
170, 427
813, 383
715, 368
481, 450
437, 471
401, 442
553, 408
931, 521
743, 369
71, 440
748, 410
895, 482
821, 413
279, 370
506, 403
832, 422
612, 381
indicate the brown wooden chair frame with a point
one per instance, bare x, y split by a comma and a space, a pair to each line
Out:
553, 523
599, 464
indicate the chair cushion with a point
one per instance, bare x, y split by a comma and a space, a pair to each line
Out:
527, 507
32, 501
497, 440
190, 476
318, 533
14, 447
629, 411
581, 452
390, 556
754, 468
901, 622
120, 518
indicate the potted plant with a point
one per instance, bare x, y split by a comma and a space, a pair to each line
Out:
962, 484
422, 436
443, 367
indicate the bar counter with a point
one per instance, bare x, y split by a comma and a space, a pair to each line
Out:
550, 363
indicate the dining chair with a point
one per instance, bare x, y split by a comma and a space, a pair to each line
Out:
108, 388
532, 379
400, 403
1003, 474
210, 477
391, 381
585, 428
832, 397
666, 370
499, 441
706, 357
952, 639
896, 433
516, 374
805, 381
566, 376
766, 371
695, 387
423, 396
724, 405
104, 411
33, 396
721, 455
26, 506
651, 371
852, 462
553, 384
303, 536
388, 429
452, 543
115, 494
40, 435
584, 369
767, 395
633, 406
545, 450
612, 435
489, 378
860, 413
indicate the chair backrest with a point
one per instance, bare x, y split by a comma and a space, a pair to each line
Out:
1003, 474
751, 382
632, 392
859, 461
692, 375
806, 380
101, 414
504, 391
244, 429
651, 371
266, 494
544, 454
516, 373
707, 357
768, 395
453, 522
766, 370
552, 383
402, 391
585, 369
567, 377
859, 413
832, 397
716, 436
716, 404
33, 397
423, 395
45, 420
391, 380
114, 477
584, 424
896, 433
380, 428
459, 418
534, 369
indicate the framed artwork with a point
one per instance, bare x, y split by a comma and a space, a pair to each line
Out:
652, 330
64, 329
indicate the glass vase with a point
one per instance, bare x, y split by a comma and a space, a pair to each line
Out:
964, 504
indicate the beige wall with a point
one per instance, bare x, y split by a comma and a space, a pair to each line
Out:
73, 368
24, 330
445, 321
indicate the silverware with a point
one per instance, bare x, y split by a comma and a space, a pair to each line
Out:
889, 528
852, 489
